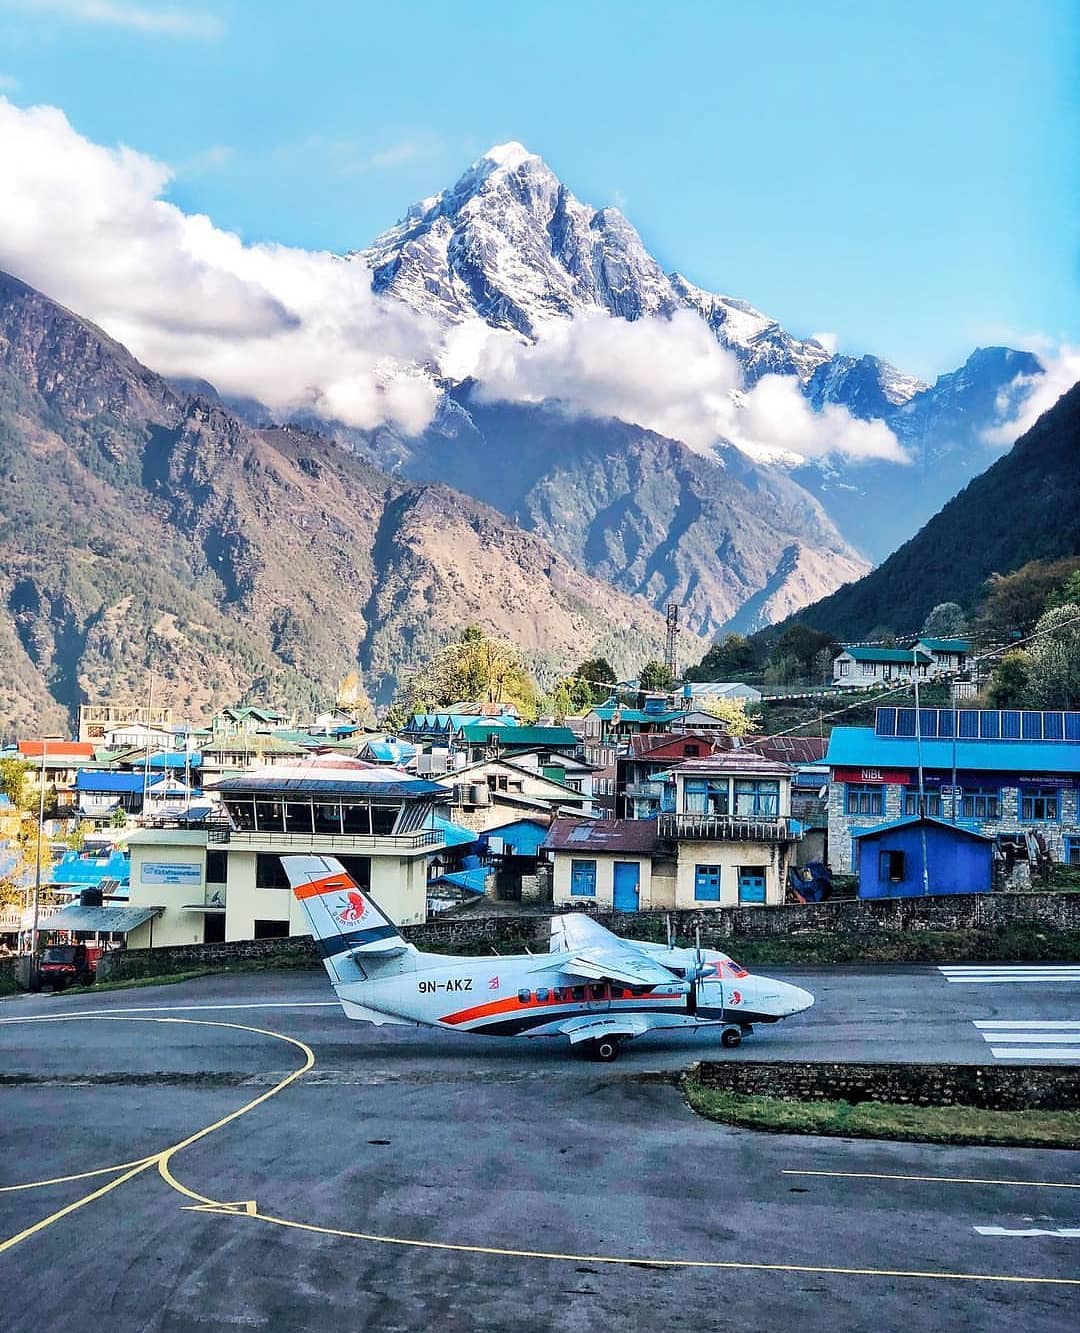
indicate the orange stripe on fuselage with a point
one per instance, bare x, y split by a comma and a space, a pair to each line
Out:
328, 884
513, 1005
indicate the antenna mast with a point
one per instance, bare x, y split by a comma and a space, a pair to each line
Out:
671, 652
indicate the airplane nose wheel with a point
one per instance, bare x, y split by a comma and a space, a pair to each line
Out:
731, 1036
604, 1049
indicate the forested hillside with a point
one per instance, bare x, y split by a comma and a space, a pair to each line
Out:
1025, 507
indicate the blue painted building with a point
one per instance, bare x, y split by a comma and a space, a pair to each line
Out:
891, 859
993, 771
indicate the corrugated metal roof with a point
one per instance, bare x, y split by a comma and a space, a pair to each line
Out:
602, 835
478, 732
113, 783
903, 656
110, 919
945, 645
316, 783
861, 747
909, 820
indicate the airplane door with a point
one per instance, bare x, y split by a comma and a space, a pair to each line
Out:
626, 896
710, 998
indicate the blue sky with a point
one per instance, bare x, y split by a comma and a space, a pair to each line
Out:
904, 175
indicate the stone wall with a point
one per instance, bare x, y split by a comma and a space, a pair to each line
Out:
471, 932
989, 1087
959, 911
474, 932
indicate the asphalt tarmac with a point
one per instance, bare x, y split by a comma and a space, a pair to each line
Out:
246, 1157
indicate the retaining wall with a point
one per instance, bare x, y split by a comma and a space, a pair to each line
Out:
989, 1087
474, 932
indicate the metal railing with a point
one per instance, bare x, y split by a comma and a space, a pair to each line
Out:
726, 828
272, 842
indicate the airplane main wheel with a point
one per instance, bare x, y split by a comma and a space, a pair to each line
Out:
605, 1049
731, 1037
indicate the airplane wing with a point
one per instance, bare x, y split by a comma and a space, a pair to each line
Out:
600, 955
588, 1027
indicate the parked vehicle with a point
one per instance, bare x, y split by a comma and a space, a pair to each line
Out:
65, 965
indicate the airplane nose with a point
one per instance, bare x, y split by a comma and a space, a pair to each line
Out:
795, 999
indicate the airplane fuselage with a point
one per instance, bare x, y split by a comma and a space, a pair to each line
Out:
534, 995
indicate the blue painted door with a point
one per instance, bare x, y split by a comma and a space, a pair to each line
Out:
627, 879
751, 885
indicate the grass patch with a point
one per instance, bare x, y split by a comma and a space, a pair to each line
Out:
887, 1120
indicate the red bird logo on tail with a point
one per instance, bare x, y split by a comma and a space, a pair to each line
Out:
350, 910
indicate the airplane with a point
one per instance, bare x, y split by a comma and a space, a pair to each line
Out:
592, 987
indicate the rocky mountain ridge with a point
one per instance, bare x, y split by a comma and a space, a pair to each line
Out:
142, 530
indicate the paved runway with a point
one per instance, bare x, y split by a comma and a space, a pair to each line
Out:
413, 1179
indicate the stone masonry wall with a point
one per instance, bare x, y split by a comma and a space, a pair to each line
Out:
990, 1087
719, 926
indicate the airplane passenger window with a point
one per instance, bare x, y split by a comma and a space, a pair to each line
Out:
596, 992
556, 993
578, 992
524, 996
542, 994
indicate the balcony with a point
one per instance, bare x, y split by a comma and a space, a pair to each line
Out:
727, 828
249, 840
644, 791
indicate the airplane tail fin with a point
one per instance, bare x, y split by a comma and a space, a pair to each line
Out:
352, 934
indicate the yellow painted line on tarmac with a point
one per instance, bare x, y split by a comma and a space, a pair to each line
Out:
249, 1209
937, 1180
636, 1261
81, 1175
159, 1159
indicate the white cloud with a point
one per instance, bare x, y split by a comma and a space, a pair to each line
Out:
1029, 396
295, 329
830, 341
302, 330
137, 18
667, 375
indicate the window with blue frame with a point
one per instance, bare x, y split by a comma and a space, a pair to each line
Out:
980, 803
706, 884
864, 799
707, 797
583, 879
757, 798
1040, 804
931, 802
1072, 851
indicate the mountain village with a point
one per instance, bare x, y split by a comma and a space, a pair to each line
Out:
141, 832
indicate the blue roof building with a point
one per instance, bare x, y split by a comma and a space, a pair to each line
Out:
991, 771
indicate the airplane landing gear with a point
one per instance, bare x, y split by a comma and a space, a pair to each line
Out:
731, 1036
604, 1049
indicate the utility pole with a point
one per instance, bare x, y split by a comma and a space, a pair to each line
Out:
919, 758
37, 865
671, 654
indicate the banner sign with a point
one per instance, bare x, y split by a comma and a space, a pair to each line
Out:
873, 775
187, 873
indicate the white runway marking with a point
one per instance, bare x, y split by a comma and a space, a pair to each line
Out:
1021, 974
1041, 1039
1067, 1233
181, 1008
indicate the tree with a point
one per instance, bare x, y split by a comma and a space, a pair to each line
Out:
353, 699
783, 671
802, 643
476, 668
655, 678
13, 780
588, 685
732, 712
1054, 657
1068, 592
734, 656
1009, 683
1012, 603
945, 621
883, 636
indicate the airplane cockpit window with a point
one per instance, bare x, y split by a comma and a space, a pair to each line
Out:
524, 996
